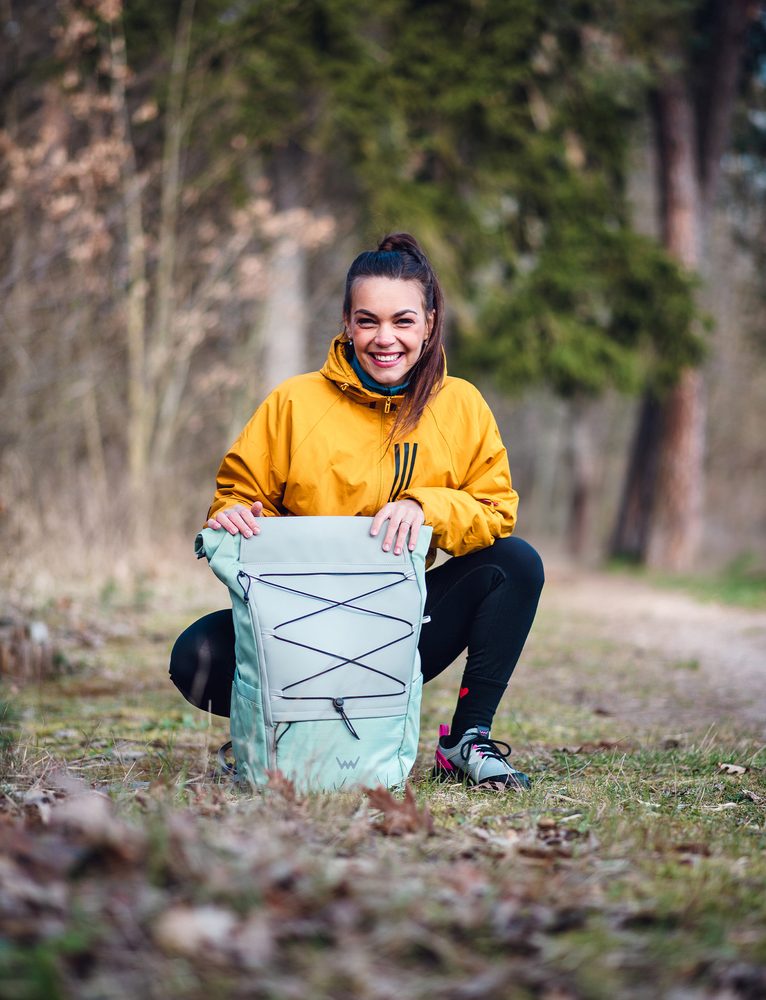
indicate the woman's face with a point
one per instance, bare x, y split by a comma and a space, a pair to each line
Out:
388, 326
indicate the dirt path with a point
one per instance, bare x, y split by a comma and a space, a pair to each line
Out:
690, 661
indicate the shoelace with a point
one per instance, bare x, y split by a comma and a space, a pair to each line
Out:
487, 748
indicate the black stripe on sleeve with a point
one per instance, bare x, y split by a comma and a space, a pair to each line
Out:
412, 467
396, 472
404, 469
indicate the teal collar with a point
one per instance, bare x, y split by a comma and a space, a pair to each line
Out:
371, 384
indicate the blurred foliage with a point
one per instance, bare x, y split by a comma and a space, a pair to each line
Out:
9, 726
745, 172
498, 131
501, 140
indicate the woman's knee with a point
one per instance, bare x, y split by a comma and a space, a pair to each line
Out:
208, 641
520, 561
202, 662
184, 658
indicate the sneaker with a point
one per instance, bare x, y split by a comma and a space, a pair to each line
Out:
477, 760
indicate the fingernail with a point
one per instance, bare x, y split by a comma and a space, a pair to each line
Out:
247, 534
386, 548
397, 552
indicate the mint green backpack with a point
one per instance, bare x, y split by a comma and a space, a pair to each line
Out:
327, 685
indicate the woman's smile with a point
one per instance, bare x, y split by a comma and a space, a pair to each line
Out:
386, 359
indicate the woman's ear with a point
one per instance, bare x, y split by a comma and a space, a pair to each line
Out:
430, 317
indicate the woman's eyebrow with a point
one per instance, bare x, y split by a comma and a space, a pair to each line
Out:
401, 312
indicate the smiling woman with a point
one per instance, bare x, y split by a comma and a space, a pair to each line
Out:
382, 432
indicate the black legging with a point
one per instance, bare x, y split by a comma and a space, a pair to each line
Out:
484, 601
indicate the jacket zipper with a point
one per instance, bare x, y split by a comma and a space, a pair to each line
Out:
343, 386
381, 423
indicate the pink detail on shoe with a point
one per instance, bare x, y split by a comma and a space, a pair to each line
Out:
441, 761
443, 730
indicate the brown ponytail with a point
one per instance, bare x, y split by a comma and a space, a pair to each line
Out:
399, 256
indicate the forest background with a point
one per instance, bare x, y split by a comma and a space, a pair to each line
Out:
183, 186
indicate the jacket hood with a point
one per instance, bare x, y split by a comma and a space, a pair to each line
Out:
337, 368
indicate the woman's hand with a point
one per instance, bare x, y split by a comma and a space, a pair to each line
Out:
403, 516
238, 519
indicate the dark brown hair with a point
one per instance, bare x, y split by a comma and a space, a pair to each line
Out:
399, 256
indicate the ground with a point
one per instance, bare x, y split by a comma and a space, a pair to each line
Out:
636, 867
698, 664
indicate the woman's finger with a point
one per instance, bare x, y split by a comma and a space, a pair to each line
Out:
379, 518
401, 536
394, 520
250, 516
222, 520
226, 520
237, 518
250, 520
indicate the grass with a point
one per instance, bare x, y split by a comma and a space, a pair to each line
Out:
742, 583
636, 866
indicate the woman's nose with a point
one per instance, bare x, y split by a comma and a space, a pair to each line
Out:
384, 336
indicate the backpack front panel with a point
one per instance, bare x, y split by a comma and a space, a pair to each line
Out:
327, 627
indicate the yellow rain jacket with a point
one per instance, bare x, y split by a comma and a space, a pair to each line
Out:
318, 445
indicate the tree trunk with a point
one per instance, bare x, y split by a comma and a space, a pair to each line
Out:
582, 460
660, 522
135, 306
284, 328
676, 523
94, 441
676, 526
161, 360
636, 506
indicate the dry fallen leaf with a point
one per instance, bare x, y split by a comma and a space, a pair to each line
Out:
91, 814
282, 785
703, 850
41, 800
734, 769
501, 843
189, 930
253, 942
551, 839
400, 815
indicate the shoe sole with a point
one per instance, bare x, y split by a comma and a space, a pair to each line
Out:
441, 774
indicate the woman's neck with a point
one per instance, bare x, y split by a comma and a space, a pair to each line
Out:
369, 383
